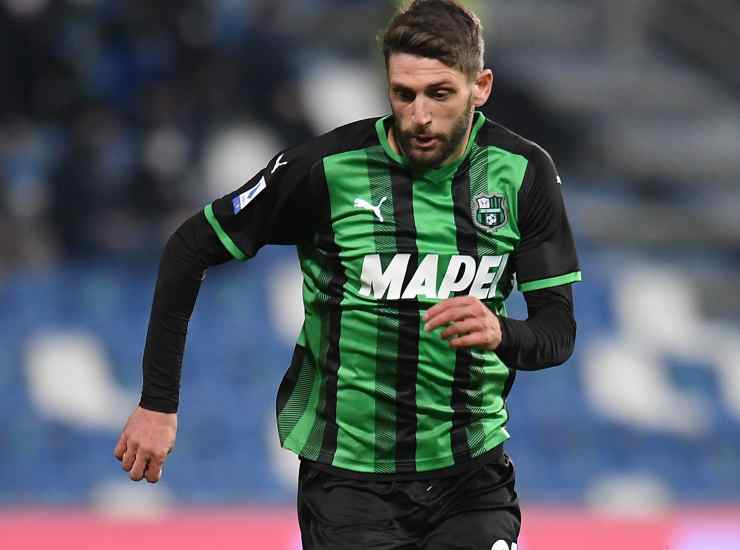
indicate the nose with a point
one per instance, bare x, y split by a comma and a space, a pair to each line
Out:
420, 113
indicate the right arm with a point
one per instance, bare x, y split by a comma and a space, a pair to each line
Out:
234, 226
149, 434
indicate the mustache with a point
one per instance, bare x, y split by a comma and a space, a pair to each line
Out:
408, 134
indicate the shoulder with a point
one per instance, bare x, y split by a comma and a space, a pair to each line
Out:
356, 135
496, 135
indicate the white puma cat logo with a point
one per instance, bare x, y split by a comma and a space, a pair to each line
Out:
362, 203
278, 164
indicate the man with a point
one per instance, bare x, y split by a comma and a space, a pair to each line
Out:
410, 231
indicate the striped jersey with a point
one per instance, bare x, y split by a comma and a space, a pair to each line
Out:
368, 389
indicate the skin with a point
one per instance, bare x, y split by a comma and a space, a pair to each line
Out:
145, 442
433, 107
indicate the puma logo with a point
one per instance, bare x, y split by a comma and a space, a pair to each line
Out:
362, 203
278, 164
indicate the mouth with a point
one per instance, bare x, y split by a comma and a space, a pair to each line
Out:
424, 142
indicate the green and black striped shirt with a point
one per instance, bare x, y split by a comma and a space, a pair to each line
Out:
368, 389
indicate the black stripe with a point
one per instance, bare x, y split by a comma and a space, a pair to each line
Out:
334, 320
461, 383
467, 234
290, 379
387, 321
509, 383
506, 285
408, 326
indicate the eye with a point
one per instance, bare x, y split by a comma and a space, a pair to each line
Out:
440, 95
405, 96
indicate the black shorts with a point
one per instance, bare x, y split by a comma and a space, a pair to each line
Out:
476, 510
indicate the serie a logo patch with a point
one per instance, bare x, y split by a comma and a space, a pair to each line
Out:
241, 201
489, 212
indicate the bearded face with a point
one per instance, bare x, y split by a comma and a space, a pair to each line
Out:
432, 106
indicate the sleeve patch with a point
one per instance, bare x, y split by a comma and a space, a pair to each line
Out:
241, 201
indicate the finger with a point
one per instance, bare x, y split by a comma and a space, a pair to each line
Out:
129, 457
449, 315
446, 304
137, 472
153, 472
462, 327
476, 339
120, 447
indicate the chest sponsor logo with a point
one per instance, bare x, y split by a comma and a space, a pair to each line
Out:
464, 275
489, 211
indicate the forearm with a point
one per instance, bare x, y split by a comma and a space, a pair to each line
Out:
546, 338
182, 268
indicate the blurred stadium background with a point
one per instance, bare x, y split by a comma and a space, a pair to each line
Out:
120, 118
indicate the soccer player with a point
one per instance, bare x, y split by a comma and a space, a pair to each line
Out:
411, 230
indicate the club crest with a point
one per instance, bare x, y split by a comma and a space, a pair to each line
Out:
489, 211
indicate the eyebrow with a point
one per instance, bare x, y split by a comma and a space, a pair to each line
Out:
439, 84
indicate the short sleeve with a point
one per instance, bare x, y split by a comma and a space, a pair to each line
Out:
546, 255
277, 206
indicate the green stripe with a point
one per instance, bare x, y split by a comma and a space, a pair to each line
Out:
493, 170
479, 386
435, 223
298, 438
347, 179
307, 436
505, 175
222, 236
315, 439
552, 281
356, 391
295, 407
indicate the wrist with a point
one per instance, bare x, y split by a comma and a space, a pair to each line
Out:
158, 404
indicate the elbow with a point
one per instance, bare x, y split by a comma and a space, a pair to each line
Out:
567, 344
561, 346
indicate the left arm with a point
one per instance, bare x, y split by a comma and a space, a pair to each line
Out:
545, 339
546, 263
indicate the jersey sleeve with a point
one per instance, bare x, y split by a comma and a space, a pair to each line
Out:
546, 255
277, 206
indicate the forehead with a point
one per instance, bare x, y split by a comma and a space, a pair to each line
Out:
413, 71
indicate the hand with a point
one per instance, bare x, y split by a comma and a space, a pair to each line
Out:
145, 442
469, 323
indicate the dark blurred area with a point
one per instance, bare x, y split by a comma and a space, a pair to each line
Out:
105, 108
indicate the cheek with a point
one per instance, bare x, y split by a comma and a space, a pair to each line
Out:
400, 110
449, 112
447, 116
451, 109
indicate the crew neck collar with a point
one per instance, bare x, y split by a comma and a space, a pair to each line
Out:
443, 172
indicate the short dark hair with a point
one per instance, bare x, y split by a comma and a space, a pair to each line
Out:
438, 29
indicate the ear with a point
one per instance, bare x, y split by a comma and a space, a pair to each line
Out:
482, 87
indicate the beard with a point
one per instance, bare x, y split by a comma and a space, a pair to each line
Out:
447, 144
